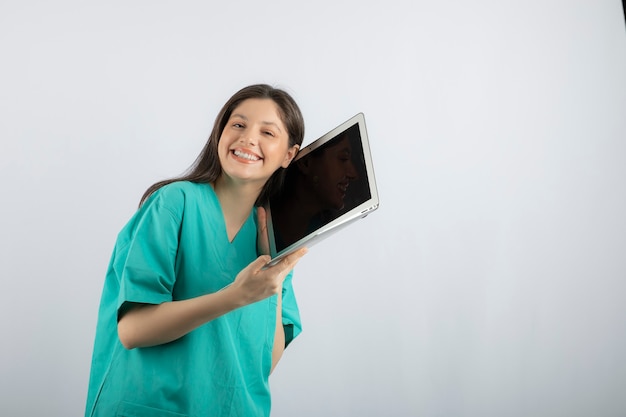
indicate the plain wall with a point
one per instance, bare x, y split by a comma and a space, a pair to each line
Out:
491, 280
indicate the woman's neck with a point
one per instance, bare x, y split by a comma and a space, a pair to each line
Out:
237, 201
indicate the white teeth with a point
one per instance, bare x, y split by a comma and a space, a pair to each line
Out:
245, 155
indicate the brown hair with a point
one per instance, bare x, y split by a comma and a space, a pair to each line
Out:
207, 168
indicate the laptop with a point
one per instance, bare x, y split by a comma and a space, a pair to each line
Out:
328, 186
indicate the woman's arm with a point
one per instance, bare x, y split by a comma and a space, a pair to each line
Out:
154, 324
279, 336
149, 324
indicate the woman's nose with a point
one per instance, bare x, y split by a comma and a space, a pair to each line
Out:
352, 173
248, 138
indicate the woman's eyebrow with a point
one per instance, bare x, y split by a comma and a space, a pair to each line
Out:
241, 116
347, 150
273, 124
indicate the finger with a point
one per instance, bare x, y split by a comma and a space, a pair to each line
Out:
292, 259
261, 216
263, 241
259, 263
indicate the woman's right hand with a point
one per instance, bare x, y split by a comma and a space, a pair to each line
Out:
154, 324
255, 282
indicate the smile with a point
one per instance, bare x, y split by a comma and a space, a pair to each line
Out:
245, 155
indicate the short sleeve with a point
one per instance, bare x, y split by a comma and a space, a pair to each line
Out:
291, 314
146, 264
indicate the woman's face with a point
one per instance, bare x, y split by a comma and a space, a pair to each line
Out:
331, 174
254, 142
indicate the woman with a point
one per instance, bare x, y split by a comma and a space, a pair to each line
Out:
190, 321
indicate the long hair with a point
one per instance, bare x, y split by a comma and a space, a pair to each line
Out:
207, 168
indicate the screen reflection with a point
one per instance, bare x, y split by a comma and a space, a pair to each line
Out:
319, 187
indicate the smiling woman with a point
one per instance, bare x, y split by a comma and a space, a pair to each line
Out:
254, 143
186, 295
207, 168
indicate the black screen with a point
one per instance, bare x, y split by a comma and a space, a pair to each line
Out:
319, 187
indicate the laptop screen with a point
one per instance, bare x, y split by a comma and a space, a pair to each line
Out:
320, 185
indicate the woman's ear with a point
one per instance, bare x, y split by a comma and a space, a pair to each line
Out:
291, 153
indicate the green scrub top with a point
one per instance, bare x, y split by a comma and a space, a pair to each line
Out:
174, 248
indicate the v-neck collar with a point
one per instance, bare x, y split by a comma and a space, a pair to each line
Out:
222, 218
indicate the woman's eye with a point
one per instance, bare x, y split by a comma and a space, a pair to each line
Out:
269, 133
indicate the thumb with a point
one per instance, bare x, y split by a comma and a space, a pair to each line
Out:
259, 263
291, 260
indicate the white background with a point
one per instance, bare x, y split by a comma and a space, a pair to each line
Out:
491, 281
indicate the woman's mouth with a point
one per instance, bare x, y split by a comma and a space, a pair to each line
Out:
248, 156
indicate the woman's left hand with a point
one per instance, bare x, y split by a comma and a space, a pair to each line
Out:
263, 242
